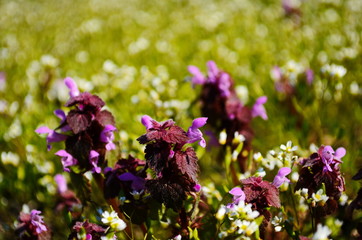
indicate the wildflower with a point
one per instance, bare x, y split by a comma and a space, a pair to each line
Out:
320, 197
198, 77
107, 136
194, 134
309, 76
87, 230
113, 220
288, 148
222, 137
73, 88
52, 136
37, 221
93, 158
280, 178
31, 224
138, 183
61, 183
334, 70
322, 168
67, 159
259, 109
322, 233
238, 194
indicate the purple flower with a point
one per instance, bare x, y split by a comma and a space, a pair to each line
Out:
197, 188
259, 109
224, 84
93, 158
276, 73
137, 184
52, 136
61, 183
212, 72
309, 75
280, 178
238, 195
198, 77
67, 160
73, 88
107, 136
37, 221
194, 134
63, 118
147, 121
329, 156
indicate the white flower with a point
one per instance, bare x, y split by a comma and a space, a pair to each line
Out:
288, 148
221, 212
343, 199
113, 220
322, 232
118, 224
320, 197
222, 137
108, 217
334, 70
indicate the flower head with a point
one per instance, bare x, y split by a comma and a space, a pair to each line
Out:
107, 136
113, 221
238, 194
73, 88
93, 158
194, 134
61, 183
52, 136
67, 159
259, 109
280, 178
37, 221
198, 77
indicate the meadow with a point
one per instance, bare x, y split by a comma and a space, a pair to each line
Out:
278, 156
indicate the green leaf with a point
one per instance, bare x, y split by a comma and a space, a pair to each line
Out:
82, 187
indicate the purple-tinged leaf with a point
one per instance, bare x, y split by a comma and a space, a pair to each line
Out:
78, 121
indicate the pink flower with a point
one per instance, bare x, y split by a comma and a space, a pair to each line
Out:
194, 134
107, 136
198, 77
280, 178
73, 88
329, 156
67, 159
238, 195
61, 182
52, 136
37, 221
259, 109
93, 158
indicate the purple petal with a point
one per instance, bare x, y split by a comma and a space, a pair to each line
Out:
67, 159
198, 77
280, 178
259, 109
199, 122
310, 76
277, 73
213, 71
43, 130
224, 84
60, 114
93, 158
284, 171
147, 121
61, 183
197, 188
37, 221
236, 191
107, 136
340, 152
138, 183
72, 86
93, 154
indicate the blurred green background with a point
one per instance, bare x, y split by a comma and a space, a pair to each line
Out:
134, 55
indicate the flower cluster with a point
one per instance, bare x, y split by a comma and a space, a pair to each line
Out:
174, 163
31, 226
287, 77
220, 103
87, 131
321, 170
116, 224
240, 220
